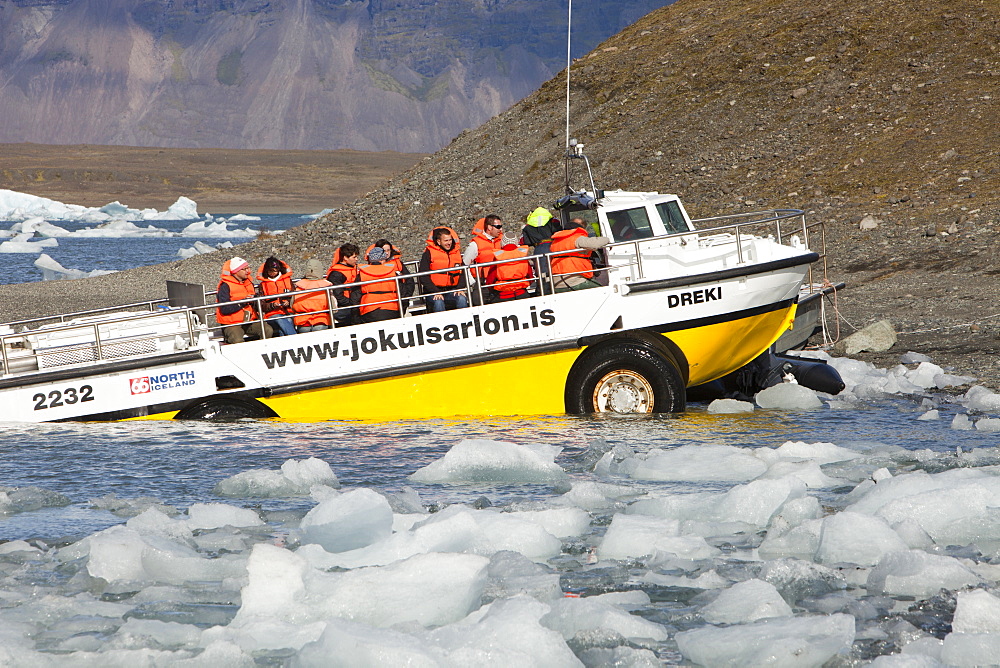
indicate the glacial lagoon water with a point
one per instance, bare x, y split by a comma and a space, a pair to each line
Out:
111, 559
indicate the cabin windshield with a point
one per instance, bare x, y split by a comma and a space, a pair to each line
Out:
673, 219
630, 224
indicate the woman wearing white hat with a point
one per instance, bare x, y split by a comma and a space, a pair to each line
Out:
237, 320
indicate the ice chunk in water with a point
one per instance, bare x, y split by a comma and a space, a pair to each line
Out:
296, 478
821, 453
23, 499
131, 507
215, 515
511, 574
977, 611
932, 414
988, 424
970, 649
730, 406
122, 554
856, 538
481, 460
800, 641
746, 602
503, 633
429, 589
979, 398
790, 396
917, 573
572, 616
796, 579
634, 536
923, 376
348, 521
961, 422
695, 463
345, 644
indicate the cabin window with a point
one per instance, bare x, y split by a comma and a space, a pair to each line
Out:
630, 224
672, 217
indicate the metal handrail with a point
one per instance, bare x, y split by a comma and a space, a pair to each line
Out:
541, 265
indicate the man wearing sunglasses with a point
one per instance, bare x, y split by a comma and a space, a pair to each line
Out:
486, 241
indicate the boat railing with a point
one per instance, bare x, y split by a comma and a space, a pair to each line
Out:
784, 225
96, 336
89, 339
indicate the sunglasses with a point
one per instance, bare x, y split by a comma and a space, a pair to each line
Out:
499, 226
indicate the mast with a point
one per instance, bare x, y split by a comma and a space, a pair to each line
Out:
574, 149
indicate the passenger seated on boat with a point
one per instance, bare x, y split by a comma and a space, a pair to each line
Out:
379, 300
486, 234
344, 269
314, 306
275, 278
444, 290
574, 271
238, 320
511, 279
395, 258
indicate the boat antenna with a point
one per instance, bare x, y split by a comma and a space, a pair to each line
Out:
574, 149
569, 62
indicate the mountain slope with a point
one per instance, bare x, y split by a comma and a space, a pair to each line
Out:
406, 75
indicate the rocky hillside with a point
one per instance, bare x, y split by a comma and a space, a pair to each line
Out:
405, 75
888, 110
885, 110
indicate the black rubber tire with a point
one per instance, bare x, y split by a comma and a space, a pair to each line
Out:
225, 408
638, 359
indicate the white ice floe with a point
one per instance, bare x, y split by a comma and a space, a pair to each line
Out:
200, 248
480, 460
428, 589
981, 399
53, 271
800, 641
730, 406
789, 396
21, 243
297, 477
745, 602
23, 499
348, 521
695, 463
918, 573
977, 611
21, 206
455, 529
637, 536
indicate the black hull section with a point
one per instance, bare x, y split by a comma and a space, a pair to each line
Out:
768, 370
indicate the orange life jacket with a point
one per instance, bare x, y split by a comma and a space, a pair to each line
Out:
511, 276
381, 295
487, 250
578, 263
276, 286
443, 260
350, 273
395, 258
315, 305
237, 291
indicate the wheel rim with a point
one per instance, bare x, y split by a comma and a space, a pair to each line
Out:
623, 391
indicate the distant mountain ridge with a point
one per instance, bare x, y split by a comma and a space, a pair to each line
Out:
402, 75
